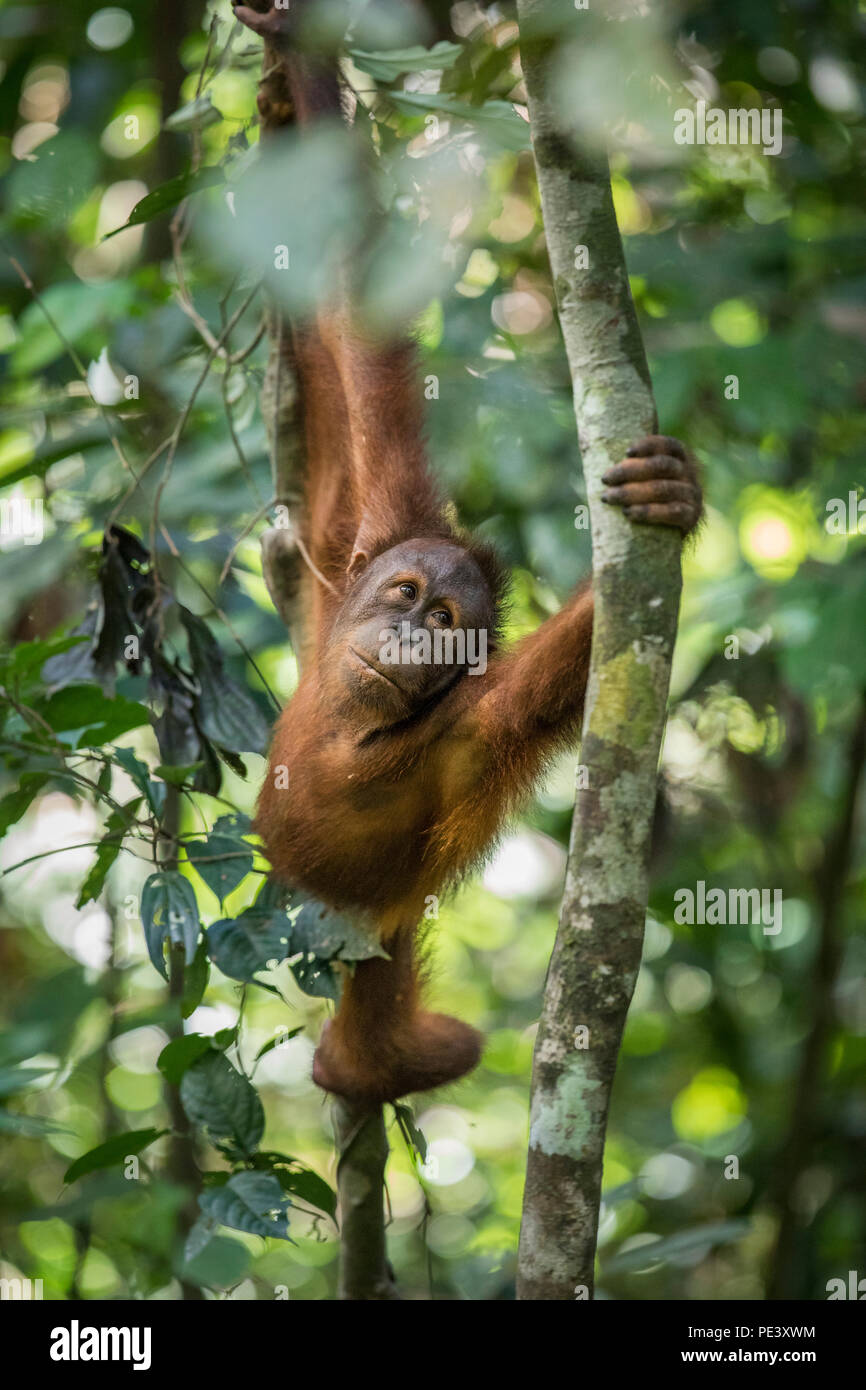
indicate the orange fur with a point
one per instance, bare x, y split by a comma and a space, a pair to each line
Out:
397, 787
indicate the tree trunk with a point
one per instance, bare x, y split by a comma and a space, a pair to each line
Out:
636, 582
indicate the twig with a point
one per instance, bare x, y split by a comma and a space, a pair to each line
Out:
251, 524
185, 414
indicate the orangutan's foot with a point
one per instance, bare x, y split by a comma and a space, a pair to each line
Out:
438, 1049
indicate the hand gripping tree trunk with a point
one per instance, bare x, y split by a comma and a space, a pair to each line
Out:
636, 582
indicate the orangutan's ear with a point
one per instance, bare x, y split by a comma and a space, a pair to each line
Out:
370, 541
358, 563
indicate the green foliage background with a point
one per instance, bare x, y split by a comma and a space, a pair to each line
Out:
742, 266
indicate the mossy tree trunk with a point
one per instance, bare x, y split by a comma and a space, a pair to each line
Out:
636, 582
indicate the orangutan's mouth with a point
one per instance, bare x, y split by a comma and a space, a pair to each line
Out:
376, 672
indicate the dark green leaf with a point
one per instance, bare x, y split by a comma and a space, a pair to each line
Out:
277, 1040
15, 1079
298, 1181
27, 1126
316, 977
195, 978
223, 859
169, 194
388, 65
169, 912
325, 934
683, 1242
85, 707
154, 792
14, 804
177, 776
411, 1133
244, 945
179, 1055
201, 1234
251, 1202
498, 119
112, 1152
76, 664
27, 656
216, 1097
220, 1264
227, 712
80, 308
106, 853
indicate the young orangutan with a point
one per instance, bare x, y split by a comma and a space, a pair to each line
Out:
401, 772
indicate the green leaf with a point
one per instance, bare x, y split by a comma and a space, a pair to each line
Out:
15, 804
307, 1185
220, 1262
15, 1079
154, 792
85, 707
112, 1152
315, 977
27, 1126
388, 65
107, 851
216, 1097
169, 912
683, 1242
411, 1133
242, 946
251, 1202
76, 665
325, 934
276, 1041
27, 656
298, 1181
179, 1055
195, 115
177, 776
51, 450
498, 119
200, 1235
47, 188
79, 308
169, 194
195, 980
227, 712
224, 859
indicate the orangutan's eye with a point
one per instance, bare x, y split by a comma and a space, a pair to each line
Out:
443, 616
408, 590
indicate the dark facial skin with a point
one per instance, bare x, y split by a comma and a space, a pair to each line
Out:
429, 584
